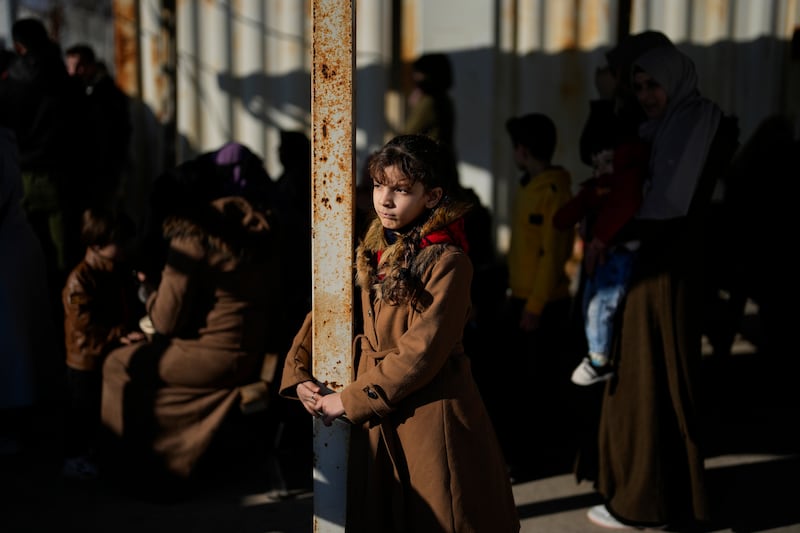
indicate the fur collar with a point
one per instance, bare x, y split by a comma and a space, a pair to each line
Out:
394, 271
231, 230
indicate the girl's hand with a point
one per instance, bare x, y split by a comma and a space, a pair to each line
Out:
308, 392
329, 407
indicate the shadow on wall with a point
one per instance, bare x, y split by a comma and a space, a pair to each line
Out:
489, 88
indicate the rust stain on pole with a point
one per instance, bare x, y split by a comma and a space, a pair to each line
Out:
126, 46
333, 186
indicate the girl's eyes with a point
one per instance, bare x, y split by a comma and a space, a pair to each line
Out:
398, 190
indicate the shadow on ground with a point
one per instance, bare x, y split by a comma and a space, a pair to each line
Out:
750, 412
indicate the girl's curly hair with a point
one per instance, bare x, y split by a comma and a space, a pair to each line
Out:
418, 157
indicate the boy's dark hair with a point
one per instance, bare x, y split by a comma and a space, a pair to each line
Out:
101, 227
437, 70
294, 148
31, 33
534, 131
82, 50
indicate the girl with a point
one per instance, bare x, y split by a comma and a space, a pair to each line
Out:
431, 461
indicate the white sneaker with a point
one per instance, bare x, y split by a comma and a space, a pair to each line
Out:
588, 374
81, 468
600, 516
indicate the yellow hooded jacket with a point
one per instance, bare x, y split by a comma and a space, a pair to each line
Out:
538, 251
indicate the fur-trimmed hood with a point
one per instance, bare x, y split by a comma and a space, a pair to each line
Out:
231, 230
394, 270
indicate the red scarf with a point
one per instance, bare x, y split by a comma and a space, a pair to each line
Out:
453, 233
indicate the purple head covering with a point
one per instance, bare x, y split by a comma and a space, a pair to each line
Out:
233, 154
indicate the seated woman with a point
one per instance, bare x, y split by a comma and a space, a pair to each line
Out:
163, 400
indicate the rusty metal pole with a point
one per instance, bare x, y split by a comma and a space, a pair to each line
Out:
333, 187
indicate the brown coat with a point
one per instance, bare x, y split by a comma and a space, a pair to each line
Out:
210, 313
434, 461
96, 305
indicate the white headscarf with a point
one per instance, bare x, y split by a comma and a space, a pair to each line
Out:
680, 138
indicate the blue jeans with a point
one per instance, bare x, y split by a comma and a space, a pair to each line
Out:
602, 295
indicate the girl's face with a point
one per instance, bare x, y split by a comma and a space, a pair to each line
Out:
651, 96
398, 203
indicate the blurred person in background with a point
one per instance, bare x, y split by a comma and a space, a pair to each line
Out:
104, 128
651, 462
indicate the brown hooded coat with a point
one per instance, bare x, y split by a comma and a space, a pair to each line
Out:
424, 455
169, 396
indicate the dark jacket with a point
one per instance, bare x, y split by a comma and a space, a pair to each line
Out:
104, 130
38, 101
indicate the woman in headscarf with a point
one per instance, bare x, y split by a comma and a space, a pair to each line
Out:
651, 469
214, 315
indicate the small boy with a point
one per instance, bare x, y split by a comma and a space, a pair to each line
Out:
605, 203
536, 314
537, 251
97, 317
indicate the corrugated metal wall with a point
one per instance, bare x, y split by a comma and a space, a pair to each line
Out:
243, 68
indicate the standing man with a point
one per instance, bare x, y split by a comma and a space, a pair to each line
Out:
105, 126
35, 102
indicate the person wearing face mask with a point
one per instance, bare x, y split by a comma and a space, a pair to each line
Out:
650, 468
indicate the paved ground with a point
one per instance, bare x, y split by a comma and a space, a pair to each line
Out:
753, 471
